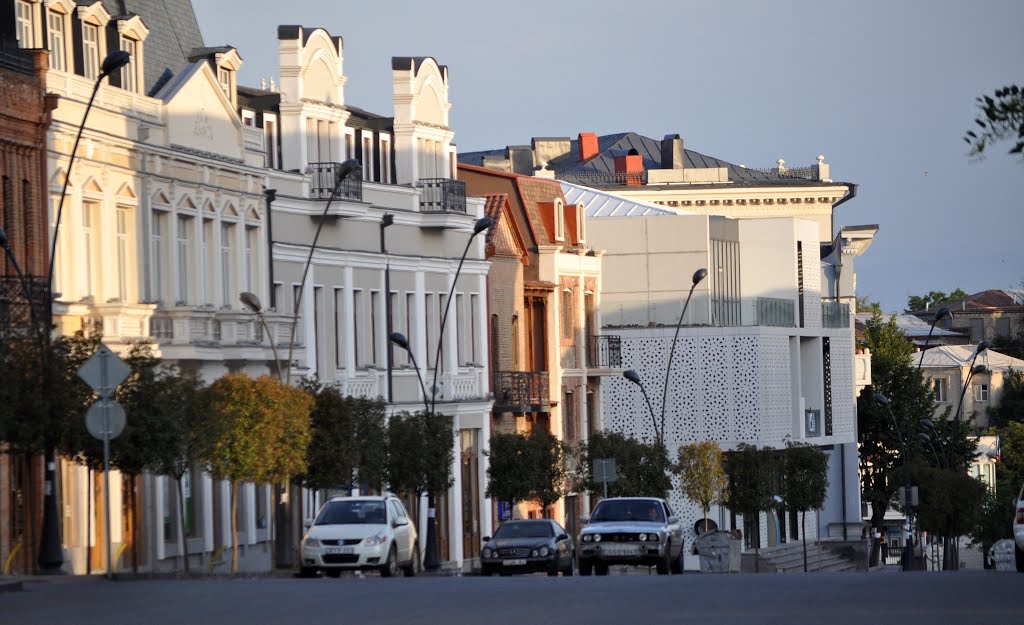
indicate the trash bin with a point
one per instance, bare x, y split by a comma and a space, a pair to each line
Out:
1003, 556
719, 552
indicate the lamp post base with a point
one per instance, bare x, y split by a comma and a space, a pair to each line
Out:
432, 558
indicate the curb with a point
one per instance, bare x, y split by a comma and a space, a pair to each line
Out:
10, 585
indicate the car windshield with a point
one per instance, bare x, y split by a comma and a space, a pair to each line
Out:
524, 530
628, 510
352, 513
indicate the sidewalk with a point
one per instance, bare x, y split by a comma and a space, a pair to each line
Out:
9, 584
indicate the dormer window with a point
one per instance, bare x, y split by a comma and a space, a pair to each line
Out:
581, 231
91, 51
24, 24
559, 221
57, 41
226, 78
130, 72
131, 35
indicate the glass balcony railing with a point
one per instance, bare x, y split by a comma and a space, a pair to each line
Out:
835, 315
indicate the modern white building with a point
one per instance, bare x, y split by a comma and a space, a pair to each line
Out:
383, 256
765, 354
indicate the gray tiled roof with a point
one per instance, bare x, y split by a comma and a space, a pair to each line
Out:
173, 33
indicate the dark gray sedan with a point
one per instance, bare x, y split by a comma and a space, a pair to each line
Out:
528, 546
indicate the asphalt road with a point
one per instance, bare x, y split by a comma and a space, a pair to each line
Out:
956, 598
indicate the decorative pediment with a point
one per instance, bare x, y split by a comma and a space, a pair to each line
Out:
200, 115
186, 203
94, 13
209, 208
160, 199
62, 6
251, 214
230, 211
126, 193
91, 186
133, 27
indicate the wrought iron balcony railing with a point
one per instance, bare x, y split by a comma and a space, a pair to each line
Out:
325, 178
442, 195
604, 352
16, 312
521, 391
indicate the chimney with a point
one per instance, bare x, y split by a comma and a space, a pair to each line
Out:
629, 169
587, 146
672, 152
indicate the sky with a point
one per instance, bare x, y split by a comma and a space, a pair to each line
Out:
884, 90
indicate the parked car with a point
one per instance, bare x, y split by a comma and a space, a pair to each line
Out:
360, 533
631, 530
528, 546
1018, 530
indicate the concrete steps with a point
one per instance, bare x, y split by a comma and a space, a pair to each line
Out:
789, 558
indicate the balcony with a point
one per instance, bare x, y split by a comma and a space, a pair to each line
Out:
442, 195
521, 391
324, 177
775, 311
835, 315
604, 352
16, 314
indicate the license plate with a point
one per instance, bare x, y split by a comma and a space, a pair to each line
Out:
514, 562
620, 550
340, 550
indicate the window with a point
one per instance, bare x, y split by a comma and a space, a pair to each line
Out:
339, 325
431, 322
981, 392
251, 246
248, 118
261, 506
123, 219
184, 257
410, 312
385, 161
88, 245
559, 221
357, 313
270, 137
367, 158
495, 344
472, 328
1003, 327
209, 255
129, 73
941, 388
374, 325
318, 300
91, 51
156, 255
515, 342
977, 330
24, 29
227, 233
55, 30
461, 346
567, 317
224, 77
581, 230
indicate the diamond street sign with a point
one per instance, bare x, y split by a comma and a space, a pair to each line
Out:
104, 371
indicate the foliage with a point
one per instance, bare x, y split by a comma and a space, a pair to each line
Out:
753, 478
865, 305
701, 472
1011, 404
950, 501
804, 477
349, 438
1001, 118
642, 468
420, 452
992, 524
934, 299
527, 467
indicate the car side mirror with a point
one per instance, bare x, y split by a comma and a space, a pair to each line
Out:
672, 520
308, 523
562, 537
584, 519
487, 539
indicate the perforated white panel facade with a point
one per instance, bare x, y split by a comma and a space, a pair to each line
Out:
844, 397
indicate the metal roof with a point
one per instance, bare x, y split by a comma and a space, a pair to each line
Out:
597, 203
962, 355
912, 326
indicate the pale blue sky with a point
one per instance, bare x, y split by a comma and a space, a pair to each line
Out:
884, 89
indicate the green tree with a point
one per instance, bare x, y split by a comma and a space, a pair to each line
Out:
1011, 404
508, 471
804, 482
702, 477
934, 299
348, 441
262, 435
865, 305
642, 468
753, 482
1001, 119
950, 505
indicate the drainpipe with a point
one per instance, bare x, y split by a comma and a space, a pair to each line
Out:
270, 195
850, 194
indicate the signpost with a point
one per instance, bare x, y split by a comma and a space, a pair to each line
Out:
604, 472
104, 371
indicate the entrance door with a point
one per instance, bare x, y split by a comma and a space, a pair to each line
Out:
470, 493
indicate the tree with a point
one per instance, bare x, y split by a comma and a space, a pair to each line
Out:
950, 505
642, 468
753, 478
934, 299
348, 440
1011, 404
527, 467
1001, 119
262, 434
702, 476
804, 482
865, 305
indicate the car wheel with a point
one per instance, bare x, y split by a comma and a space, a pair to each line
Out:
664, 564
307, 572
568, 571
335, 573
1020, 560
601, 568
677, 564
413, 568
586, 567
390, 567
553, 572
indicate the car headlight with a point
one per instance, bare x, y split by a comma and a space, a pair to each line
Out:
653, 538
642, 537
310, 542
379, 538
544, 551
487, 553
597, 538
587, 538
534, 553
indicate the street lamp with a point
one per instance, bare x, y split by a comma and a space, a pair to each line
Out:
908, 551
50, 551
634, 377
698, 275
252, 302
432, 559
346, 169
940, 314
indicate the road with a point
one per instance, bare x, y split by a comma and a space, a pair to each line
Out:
956, 598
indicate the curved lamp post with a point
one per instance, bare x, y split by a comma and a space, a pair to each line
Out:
940, 314
432, 558
50, 551
908, 550
698, 275
346, 169
252, 302
659, 432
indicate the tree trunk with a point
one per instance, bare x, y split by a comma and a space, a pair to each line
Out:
234, 526
803, 531
27, 504
88, 521
133, 507
181, 528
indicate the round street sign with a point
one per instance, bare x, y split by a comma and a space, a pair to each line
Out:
94, 419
